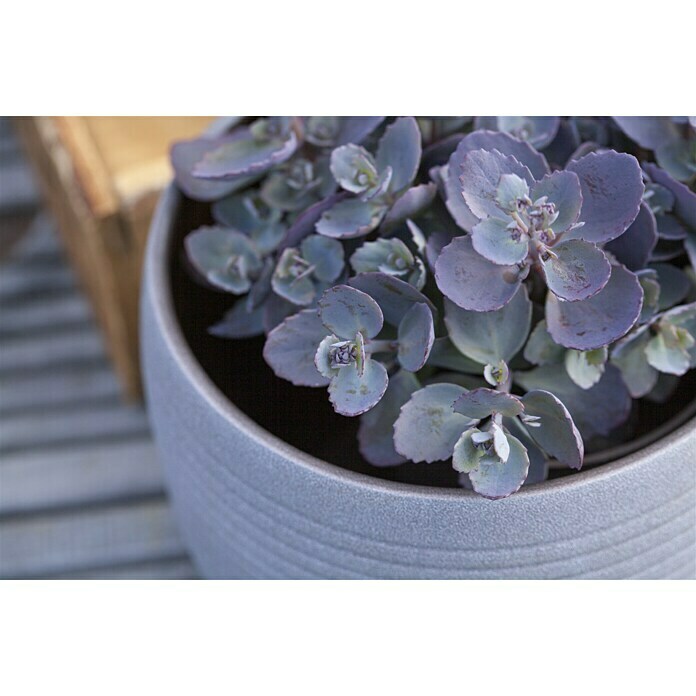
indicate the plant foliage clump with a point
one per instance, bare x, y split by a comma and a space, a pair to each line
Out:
494, 291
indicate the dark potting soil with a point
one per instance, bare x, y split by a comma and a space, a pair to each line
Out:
303, 417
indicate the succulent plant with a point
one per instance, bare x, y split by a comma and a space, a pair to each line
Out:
492, 291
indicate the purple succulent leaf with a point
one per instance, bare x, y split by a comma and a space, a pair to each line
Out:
669, 227
674, 285
350, 218
488, 337
595, 411
454, 200
210, 249
649, 132
409, 205
599, 320
635, 246
325, 254
496, 479
494, 241
481, 403
564, 191
576, 270
400, 149
438, 153
306, 222
678, 158
416, 335
395, 297
186, 154
472, 281
290, 349
238, 322
245, 156
538, 131
354, 129
555, 431
352, 393
538, 462
504, 143
346, 311
684, 197
427, 428
275, 310
612, 191
479, 178
629, 356
376, 430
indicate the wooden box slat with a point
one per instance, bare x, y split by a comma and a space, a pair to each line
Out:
101, 176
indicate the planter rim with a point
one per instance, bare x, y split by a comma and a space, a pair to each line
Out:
158, 280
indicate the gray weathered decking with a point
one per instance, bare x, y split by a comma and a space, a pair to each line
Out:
81, 493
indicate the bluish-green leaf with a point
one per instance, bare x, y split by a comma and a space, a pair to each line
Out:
586, 367
630, 357
496, 479
488, 337
555, 431
352, 393
481, 403
496, 242
416, 335
576, 270
635, 246
564, 191
400, 149
350, 218
427, 427
541, 349
325, 255
345, 311
238, 322
290, 349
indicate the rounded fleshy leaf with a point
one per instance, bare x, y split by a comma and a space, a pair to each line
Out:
651, 294
541, 349
225, 258
481, 403
629, 356
186, 154
555, 431
674, 285
669, 227
560, 149
376, 431
595, 411
322, 359
649, 132
495, 479
454, 200
400, 149
473, 282
246, 156
480, 175
488, 337
354, 168
346, 311
586, 367
352, 393
576, 270
416, 336
564, 191
504, 143
299, 290
291, 347
427, 428
238, 322
446, 355
411, 204
354, 129
599, 320
350, 218
684, 197
325, 254
612, 191
666, 355
306, 222
635, 246
493, 240
394, 296
466, 456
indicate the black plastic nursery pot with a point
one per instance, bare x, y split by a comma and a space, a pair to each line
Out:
252, 502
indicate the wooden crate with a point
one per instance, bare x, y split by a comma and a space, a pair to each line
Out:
101, 177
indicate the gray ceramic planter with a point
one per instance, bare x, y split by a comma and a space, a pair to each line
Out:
251, 506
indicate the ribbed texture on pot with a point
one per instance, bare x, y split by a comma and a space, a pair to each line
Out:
250, 506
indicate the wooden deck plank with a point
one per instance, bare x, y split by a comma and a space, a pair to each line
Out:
34, 481
35, 546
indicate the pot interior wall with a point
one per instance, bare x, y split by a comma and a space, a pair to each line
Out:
304, 417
